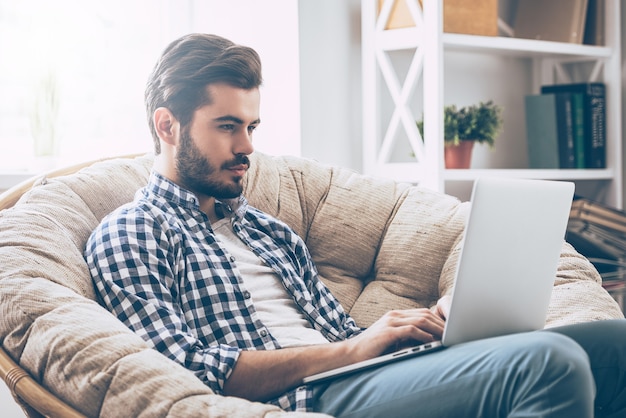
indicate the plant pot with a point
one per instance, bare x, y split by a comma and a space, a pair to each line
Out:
458, 156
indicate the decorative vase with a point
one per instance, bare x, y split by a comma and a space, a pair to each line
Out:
458, 156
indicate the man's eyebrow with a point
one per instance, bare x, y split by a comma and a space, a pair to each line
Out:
229, 118
234, 119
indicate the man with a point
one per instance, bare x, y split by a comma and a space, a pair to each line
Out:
233, 295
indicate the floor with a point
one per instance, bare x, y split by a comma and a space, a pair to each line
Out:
8, 407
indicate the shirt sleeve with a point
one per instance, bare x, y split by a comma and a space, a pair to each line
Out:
134, 261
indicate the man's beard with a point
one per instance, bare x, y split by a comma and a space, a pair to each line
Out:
195, 171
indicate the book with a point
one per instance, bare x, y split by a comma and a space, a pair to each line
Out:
553, 130
565, 130
586, 242
594, 23
604, 248
542, 131
603, 237
551, 20
578, 119
594, 121
599, 214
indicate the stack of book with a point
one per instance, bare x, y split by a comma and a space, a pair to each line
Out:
566, 126
598, 232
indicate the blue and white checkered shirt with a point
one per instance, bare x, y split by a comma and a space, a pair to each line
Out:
157, 266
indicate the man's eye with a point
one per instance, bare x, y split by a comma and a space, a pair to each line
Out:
228, 127
251, 128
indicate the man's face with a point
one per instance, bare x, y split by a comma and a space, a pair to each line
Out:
213, 150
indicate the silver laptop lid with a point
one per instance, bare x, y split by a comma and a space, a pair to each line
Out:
511, 247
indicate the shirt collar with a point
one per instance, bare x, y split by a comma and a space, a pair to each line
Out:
163, 187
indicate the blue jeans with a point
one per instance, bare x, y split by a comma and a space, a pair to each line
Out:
536, 374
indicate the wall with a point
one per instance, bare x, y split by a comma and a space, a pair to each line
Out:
330, 88
270, 27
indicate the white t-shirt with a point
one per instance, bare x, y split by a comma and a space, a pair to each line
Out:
275, 307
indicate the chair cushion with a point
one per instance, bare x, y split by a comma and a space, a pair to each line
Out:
378, 244
56, 331
382, 245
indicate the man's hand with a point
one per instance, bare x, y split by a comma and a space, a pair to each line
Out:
443, 306
397, 329
262, 375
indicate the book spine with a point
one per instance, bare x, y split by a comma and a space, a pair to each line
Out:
603, 222
542, 131
582, 205
596, 108
578, 117
594, 23
594, 105
579, 235
567, 155
597, 214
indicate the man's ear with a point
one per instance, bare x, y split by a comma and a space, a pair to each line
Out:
166, 125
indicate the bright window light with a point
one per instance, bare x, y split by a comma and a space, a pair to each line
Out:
72, 75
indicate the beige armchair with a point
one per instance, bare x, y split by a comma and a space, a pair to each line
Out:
378, 245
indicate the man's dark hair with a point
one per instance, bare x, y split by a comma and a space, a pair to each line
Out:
187, 66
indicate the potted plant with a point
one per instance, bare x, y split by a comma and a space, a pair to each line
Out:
44, 120
465, 126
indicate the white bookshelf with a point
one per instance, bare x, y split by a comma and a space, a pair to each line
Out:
427, 46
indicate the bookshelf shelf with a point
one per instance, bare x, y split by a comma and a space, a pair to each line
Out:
408, 172
547, 174
410, 38
522, 47
536, 62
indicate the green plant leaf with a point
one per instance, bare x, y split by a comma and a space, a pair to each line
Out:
480, 122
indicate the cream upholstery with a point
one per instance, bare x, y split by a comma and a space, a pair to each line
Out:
378, 245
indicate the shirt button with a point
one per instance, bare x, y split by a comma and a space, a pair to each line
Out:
263, 333
246, 295
232, 259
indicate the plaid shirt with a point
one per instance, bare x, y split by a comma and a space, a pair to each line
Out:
158, 267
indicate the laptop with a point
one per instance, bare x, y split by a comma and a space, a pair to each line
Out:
506, 270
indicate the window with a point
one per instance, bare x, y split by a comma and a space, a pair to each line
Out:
72, 75
73, 72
